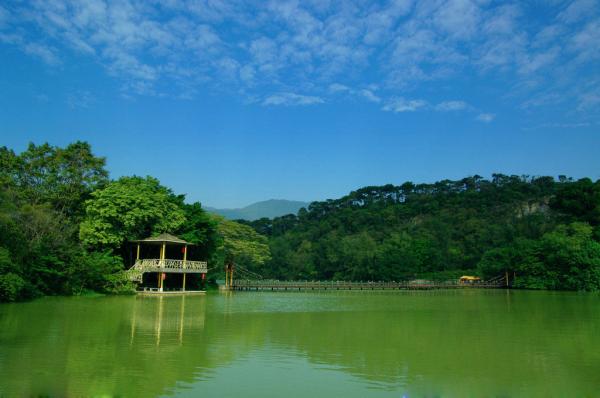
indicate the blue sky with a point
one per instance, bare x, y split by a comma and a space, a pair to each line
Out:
234, 102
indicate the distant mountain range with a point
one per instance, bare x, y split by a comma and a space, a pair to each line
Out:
267, 208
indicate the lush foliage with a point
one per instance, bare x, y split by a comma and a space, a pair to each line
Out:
242, 245
543, 231
42, 193
130, 208
63, 223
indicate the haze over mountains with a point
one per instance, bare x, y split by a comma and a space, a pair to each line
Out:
268, 208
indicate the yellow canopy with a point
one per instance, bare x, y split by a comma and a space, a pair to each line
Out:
469, 278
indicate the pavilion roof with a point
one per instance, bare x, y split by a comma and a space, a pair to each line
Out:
163, 238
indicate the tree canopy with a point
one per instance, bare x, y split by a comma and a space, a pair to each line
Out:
543, 230
242, 245
130, 208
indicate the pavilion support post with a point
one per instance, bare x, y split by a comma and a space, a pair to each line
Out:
162, 264
506, 277
184, 264
137, 256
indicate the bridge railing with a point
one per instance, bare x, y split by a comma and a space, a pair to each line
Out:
416, 284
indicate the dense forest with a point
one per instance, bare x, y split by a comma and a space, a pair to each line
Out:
544, 231
64, 225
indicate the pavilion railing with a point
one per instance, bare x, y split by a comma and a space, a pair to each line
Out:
167, 265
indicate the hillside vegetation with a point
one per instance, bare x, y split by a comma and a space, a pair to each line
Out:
542, 230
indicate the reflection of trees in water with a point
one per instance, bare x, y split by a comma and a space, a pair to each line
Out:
126, 346
457, 345
145, 346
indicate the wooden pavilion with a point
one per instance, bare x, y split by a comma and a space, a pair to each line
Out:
162, 266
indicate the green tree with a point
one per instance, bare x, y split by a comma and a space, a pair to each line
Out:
242, 245
61, 177
580, 200
130, 208
199, 228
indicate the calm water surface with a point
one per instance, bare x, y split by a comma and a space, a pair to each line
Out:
352, 344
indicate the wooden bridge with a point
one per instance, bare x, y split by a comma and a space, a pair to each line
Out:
252, 281
244, 284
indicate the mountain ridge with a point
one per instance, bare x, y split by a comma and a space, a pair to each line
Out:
267, 208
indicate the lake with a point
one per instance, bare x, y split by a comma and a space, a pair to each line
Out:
458, 343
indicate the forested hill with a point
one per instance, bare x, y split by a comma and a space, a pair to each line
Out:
541, 229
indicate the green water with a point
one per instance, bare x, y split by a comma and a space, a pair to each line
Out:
352, 344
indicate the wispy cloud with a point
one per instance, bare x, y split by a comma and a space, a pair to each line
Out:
338, 88
574, 125
3, 16
80, 99
324, 50
43, 52
447, 106
370, 95
46, 54
485, 117
289, 99
399, 105
578, 10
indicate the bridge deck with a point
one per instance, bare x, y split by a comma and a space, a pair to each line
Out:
342, 285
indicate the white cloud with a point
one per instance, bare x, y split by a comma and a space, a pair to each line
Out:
458, 18
577, 10
43, 52
263, 50
574, 125
485, 117
586, 42
247, 74
542, 99
320, 48
337, 88
80, 99
398, 105
446, 106
531, 63
370, 96
588, 98
4, 16
291, 99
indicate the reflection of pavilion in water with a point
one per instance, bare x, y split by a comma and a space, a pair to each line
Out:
160, 317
